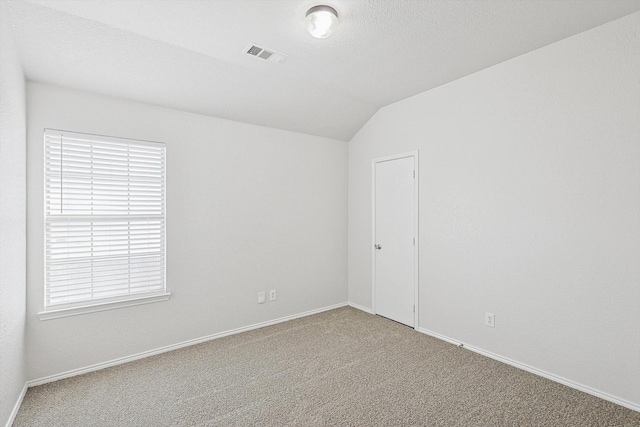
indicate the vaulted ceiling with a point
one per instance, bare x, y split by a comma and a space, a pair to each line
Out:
190, 55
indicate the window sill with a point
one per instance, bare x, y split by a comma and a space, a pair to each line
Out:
66, 312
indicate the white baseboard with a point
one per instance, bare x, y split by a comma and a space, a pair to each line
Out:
360, 307
119, 361
16, 407
536, 371
126, 359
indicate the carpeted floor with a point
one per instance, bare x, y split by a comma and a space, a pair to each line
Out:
338, 368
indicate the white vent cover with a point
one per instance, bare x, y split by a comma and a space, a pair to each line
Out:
265, 53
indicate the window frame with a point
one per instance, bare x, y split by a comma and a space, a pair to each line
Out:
117, 301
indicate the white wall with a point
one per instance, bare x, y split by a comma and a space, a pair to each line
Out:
529, 207
249, 209
12, 222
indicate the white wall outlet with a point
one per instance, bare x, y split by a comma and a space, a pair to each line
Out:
260, 297
490, 320
272, 295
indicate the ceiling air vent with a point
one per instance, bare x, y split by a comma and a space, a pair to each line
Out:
265, 53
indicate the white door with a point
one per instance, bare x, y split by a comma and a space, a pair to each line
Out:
394, 233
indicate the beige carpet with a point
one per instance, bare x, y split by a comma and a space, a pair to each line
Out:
338, 368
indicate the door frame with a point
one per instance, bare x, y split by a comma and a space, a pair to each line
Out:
416, 165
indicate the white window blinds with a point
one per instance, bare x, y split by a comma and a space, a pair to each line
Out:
104, 219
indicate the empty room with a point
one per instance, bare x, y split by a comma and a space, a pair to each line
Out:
319, 213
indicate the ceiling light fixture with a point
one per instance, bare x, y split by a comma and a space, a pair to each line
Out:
321, 21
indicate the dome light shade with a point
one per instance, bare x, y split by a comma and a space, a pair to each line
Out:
321, 21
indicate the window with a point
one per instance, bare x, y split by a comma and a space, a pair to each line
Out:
104, 222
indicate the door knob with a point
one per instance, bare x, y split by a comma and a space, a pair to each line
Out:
377, 247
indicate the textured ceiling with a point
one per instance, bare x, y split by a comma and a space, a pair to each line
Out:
189, 55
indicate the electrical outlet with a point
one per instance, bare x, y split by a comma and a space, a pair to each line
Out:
260, 297
490, 320
272, 295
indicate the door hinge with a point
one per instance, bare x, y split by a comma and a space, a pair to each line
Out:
414, 241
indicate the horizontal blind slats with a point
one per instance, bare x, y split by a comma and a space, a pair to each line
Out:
97, 184
104, 263
79, 283
106, 283
103, 259
103, 276
115, 294
105, 225
102, 143
91, 162
64, 276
